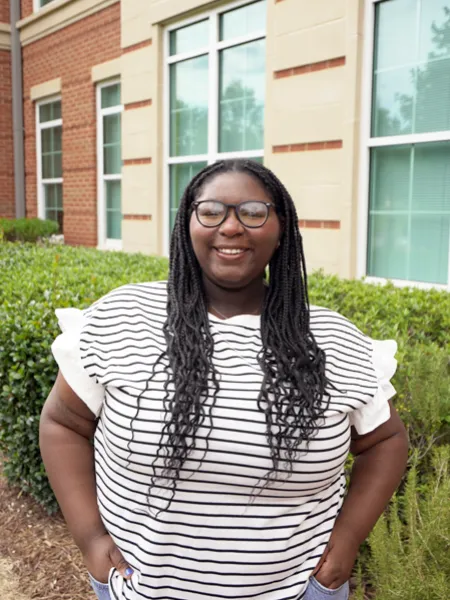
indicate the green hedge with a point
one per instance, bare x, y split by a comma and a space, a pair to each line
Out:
26, 230
35, 280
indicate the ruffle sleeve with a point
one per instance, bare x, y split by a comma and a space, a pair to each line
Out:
377, 411
66, 350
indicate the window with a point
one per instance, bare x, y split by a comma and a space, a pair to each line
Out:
109, 153
409, 143
41, 3
216, 85
49, 157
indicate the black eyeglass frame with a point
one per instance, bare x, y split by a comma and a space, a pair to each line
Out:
235, 207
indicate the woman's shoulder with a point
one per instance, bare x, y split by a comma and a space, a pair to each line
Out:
331, 327
149, 295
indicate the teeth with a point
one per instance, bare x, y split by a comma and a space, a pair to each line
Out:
231, 250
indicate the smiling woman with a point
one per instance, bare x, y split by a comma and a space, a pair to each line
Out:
223, 408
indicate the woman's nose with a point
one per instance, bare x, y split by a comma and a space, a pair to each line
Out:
231, 225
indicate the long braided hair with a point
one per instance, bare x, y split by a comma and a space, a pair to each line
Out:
294, 382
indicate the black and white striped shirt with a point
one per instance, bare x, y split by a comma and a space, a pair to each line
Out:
223, 536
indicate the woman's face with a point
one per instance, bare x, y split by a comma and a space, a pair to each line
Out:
256, 246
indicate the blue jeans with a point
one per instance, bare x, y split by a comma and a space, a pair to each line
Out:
316, 591
101, 589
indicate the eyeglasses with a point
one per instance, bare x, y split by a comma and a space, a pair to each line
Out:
252, 213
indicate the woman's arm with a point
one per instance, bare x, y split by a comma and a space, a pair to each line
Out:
380, 461
67, 427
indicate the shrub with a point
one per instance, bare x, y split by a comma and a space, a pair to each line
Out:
35, 280
410, 546
26, 230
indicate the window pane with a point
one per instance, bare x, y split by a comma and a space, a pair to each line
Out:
44, 2
112, 160
112, 129
113, 195
51, 152
110, 96
189, 107
53, 203
180, 176
242, 90
243, 21
409, 223
50, 111
189, 38
412, 67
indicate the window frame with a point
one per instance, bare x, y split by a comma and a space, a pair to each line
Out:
104, 243
367, 143
212, 50
37, 5
41, 182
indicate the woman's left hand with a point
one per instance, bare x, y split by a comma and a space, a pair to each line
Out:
336, 565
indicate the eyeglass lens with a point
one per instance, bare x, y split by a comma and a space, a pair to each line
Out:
250, 214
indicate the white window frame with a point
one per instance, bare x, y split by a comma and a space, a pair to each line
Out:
37, 5
40, 180
367, 143
212, 50
103, 243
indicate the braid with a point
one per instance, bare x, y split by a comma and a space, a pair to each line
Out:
294, 383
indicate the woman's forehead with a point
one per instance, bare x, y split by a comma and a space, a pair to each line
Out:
234, 185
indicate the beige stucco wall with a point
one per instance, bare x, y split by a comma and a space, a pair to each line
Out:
317, 106
310, 107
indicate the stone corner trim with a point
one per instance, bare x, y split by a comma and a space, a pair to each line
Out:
308, 146
136, 161
139, 104
137, 46
5, 36
106, 70
137, 217
331, 63
56, 16
46, 89
311, 224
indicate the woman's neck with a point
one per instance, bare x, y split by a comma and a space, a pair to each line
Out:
228, 302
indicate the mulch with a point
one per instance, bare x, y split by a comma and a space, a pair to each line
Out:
48, 564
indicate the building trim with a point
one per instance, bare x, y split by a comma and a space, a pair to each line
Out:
322, 65
107, 70
308, 146
136, 161
48, 88
312, 224
139, 104
137, 46
56, 16
5, 36
137, 217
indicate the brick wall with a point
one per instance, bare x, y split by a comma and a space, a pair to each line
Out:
7, 208
70, 54
26, 8
4, 11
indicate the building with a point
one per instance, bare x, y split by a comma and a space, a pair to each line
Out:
348, 101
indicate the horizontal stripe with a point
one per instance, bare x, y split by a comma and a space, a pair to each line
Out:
227, 532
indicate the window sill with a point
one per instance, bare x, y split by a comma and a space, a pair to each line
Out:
403, 283
57, 15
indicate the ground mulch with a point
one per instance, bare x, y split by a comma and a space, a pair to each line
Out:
38, 559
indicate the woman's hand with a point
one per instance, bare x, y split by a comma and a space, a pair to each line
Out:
336, 565
101, 555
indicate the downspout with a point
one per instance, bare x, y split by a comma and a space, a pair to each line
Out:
17, 110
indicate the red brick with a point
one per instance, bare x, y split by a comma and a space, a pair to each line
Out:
311, 67
70, 53
7, 205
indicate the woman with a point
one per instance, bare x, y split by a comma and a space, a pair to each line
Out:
226, 408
